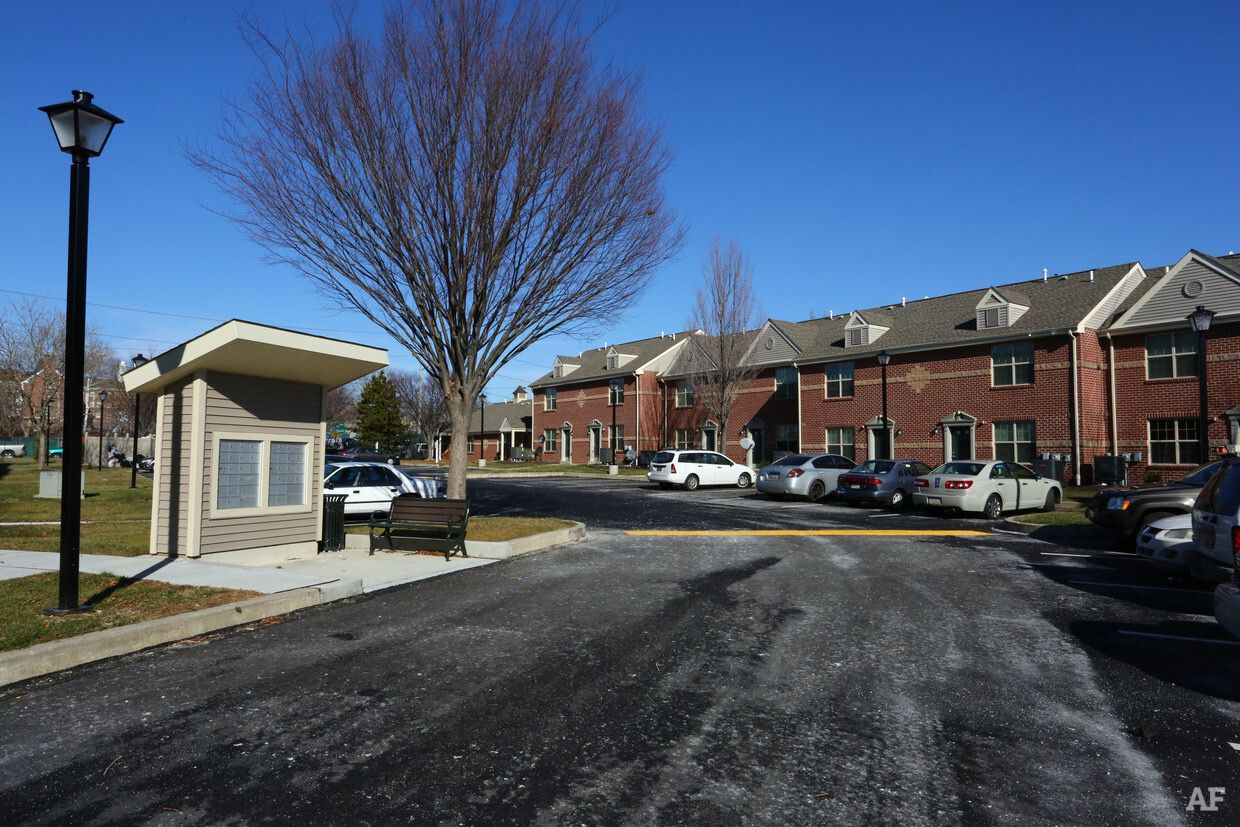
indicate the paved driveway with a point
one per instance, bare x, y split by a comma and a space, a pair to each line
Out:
748, 679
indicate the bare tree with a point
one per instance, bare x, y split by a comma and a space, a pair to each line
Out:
726, 311
341, 404
469, 181
422, 404
32, 351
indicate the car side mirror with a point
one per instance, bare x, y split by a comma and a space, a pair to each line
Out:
329, 485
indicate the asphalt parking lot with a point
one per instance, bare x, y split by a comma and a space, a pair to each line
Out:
706, 658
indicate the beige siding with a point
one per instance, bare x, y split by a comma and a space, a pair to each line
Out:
264, 407
1173, 302
172, 457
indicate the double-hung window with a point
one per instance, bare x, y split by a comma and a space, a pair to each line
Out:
839, 380
1174, 442
1014, 441
785, 383
1170, 355
549, 439
684, 395
617, 438
841, 441
260, 474
787, 438
549, 400
684, 439
615, 394
1012, 364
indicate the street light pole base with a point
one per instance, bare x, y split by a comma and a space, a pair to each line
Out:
78, 610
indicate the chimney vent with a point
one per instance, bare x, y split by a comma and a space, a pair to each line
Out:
1045, 274
1091, 276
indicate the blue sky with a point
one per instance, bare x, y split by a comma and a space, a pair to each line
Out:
859, 152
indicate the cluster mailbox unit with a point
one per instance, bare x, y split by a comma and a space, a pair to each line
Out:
240, 427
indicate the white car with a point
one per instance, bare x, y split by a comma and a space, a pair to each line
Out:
693, 468
369, 486
1167, 542
988, 486
426, 486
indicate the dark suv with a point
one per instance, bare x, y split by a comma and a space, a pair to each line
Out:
1129, 510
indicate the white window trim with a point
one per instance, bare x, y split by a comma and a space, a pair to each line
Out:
1173, 356
1149, 441
214, 512
549, 399
827, 381
1033, 361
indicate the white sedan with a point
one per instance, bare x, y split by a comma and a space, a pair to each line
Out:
370, 486
693, 468
990, 487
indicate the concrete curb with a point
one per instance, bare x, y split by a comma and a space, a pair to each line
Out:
46, 658
479, 475
505, 549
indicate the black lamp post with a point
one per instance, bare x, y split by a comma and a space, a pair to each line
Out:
482, 426
617, 388
103, 397
82, 130
884, 359
47, 432
1200, 319
138, 361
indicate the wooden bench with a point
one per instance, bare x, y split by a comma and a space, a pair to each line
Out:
417, 524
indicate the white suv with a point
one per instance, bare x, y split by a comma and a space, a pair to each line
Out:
1216, 535
693, 468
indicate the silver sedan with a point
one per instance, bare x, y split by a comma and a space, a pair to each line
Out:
990, 487
803, 475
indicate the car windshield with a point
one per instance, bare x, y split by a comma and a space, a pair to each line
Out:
664, 456
875, 466
329, 469
964, 469
1202, 475
794, 459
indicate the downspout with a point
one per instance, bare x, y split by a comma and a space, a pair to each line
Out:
1075, 411
637, 400
664, 392
1111, 391
799, 421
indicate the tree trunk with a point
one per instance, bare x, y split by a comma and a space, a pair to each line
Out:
458, 458
42, 450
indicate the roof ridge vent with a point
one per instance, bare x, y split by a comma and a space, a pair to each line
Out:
831, 314
1044, 275
1091, 276
903, 301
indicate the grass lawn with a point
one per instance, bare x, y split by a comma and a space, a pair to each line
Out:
116, 519
1061, 516
497, 529
118, 602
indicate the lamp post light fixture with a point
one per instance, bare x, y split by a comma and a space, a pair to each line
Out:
1200, 319
138, 361
103, 397
82, 130
884, 359
617, 388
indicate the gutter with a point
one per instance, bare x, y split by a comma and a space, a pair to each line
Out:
1074, 413
1111, 392
950, 345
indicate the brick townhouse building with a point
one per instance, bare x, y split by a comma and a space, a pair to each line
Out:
1081, 365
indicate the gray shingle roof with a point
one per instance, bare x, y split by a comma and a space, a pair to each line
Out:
594, 361
1060, 302
519, 415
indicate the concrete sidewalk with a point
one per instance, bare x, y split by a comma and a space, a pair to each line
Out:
352, 568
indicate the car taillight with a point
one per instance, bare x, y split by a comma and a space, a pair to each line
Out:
794, 473
1235, 538
958, 484
920, 483
673, 471
872, 481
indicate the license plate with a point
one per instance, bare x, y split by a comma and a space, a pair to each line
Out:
773, 475
853, 485
657, 467
934, 500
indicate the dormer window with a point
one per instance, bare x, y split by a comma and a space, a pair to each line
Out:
616, 359
562, 368
997, 310
613, 361
859, 331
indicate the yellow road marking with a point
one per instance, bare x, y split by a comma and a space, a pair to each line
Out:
812, 532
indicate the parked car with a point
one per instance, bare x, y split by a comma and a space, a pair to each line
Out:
1216, 525
56, 453
369, 486
1167, 542
693, 468
884, 481
428, 486
12, 449
359, 453
803, 475
988, 486
1128, 510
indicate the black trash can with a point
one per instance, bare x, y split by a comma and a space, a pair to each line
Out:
333, 522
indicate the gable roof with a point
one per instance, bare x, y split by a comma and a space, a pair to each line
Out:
518, 414
593, 362
1200, 279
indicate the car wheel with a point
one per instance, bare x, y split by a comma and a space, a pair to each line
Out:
1052, 500
691, 482
817, 491
993, 508
6, 453
898, 498
743, 481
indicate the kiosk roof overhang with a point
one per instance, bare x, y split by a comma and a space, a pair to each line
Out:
251, 349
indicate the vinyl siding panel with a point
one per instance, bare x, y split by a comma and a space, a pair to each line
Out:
771, 347
172, 456
264, 408
1107, 308
1170, 304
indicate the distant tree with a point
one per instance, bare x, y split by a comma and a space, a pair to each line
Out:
32, 362
341, 405
422, 404
378, 414
726, 311
468, 180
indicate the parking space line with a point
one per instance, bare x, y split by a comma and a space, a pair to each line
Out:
1180, 637
1062, 554
1136, 586
808, 532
